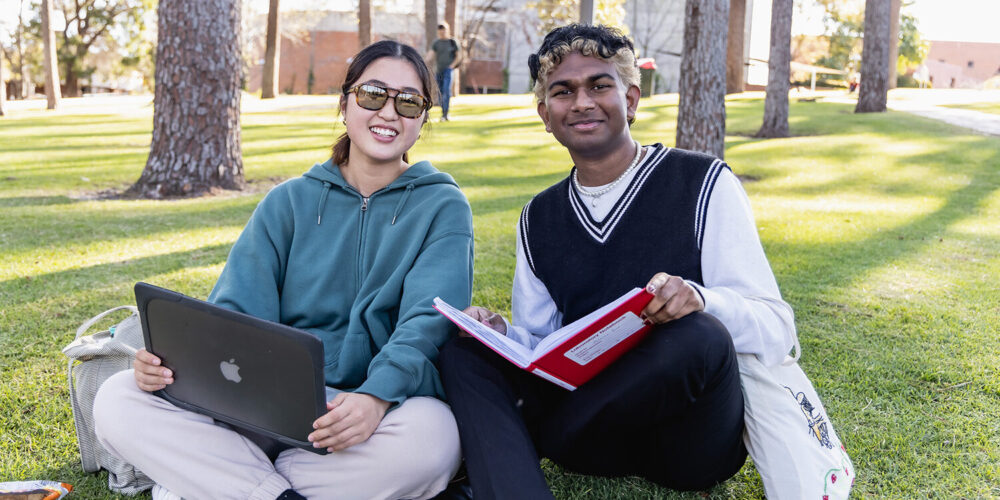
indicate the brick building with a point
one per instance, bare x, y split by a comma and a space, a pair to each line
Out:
962, 64
315, 46
316, 49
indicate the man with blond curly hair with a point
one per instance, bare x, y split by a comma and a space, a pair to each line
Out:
671, 409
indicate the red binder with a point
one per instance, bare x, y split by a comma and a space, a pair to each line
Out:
576, 352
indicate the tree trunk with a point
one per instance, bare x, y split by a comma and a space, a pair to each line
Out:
586, 11
269, 80
72, 78
26, 89
430, 22
3, 90
52, 93
874, 58
365, 22
72, 82
734, 51
450, 17
778, 71
701, 116
894, 7
196, 109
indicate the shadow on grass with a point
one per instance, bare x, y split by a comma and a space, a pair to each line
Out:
266, 131
812, 259
478, 111
65, 142
44, 123
816, 274
23, 290
475, 174
35, 201
865, 140
29, 229
816, 277
252, 153
486, 206
485, 132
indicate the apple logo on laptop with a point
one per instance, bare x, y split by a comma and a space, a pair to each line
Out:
231, 370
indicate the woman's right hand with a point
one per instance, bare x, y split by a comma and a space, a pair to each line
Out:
486, 317
149, 375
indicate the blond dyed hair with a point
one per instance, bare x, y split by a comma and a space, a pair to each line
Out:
623, 60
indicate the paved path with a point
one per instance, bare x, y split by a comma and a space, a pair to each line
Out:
985, 123
930, 103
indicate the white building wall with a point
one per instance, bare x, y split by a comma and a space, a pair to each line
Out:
657, 29
758, 42
523, 40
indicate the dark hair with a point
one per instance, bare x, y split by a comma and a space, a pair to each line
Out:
361, 61
609, 41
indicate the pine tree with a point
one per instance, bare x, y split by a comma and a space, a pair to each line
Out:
52, 93
272, 53
735, 82
364, 23
196, 109
874, 58
701, 116
778, 71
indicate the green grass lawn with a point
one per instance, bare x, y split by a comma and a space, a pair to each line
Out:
882, 230
985, 107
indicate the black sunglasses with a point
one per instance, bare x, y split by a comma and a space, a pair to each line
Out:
373, 97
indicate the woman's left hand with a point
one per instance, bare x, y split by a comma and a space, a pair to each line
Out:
351, 419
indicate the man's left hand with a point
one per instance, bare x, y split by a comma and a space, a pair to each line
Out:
673, 298
352, 418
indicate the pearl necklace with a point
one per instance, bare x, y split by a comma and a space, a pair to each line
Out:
600, 192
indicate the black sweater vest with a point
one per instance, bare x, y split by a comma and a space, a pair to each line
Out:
656, 226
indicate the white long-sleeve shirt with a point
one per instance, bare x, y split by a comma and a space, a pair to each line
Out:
739, 286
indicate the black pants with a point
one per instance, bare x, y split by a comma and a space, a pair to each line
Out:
670, 410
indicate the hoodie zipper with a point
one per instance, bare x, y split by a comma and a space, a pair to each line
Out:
362, 233
361, 241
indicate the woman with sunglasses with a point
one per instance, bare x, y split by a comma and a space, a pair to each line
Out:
353, 251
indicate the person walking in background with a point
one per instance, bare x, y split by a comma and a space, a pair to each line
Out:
446, 57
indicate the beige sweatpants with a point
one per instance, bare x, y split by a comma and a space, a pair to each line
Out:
412, 454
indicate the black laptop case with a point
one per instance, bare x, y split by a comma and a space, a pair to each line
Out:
277, 390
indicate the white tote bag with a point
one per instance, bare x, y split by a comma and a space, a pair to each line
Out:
92, 359
789, 435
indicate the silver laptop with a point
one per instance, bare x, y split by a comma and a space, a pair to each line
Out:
253, 374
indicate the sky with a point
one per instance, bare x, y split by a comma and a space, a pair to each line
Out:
960, 20
957, 20
952, 20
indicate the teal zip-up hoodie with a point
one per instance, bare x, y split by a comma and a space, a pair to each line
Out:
359, 274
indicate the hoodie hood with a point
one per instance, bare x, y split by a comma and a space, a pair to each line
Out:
419, 174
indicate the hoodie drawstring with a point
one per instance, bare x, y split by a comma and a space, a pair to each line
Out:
402, 202
322, 202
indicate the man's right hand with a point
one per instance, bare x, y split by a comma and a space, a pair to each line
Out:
486, 317
149, 374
